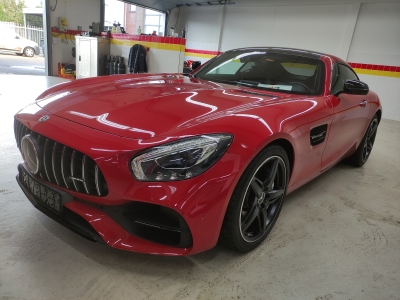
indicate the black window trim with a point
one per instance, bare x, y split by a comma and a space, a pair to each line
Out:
333, 68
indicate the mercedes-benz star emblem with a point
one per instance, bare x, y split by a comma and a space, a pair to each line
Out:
44, 118
29, 150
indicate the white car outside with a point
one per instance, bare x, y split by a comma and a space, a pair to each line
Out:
11, 41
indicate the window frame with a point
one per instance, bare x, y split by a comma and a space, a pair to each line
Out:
320, 79
153, 13
333, 74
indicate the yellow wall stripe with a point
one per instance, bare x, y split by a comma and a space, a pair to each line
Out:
199, 55
377, 73
161, 46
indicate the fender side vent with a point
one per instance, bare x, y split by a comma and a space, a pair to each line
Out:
318, 134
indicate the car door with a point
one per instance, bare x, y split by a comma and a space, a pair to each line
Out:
3, 38
9, 40
350, 117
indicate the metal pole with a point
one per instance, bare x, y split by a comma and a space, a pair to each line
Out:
102, 14
47, 38
25, 25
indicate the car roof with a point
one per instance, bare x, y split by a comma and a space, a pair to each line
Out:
292, 51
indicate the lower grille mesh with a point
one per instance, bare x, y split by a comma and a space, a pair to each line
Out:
64, 166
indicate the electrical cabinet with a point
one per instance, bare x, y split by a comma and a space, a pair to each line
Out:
91, 54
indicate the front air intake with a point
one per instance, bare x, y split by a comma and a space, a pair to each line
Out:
152, 222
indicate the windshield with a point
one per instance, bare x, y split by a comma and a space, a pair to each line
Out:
266, 70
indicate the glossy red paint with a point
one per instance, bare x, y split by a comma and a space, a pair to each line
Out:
111, 119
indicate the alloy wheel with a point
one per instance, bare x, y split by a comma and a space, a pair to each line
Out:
29, 52
369, 140
262, 199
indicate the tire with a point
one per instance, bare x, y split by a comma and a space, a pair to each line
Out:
29, 52
257, 200
363, 151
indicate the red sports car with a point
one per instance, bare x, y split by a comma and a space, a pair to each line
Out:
170, 164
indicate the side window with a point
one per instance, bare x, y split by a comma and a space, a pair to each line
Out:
340, 74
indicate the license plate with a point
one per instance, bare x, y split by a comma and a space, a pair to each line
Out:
44, 195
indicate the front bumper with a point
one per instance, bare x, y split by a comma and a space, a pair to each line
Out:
67, 218
37, 50
195, 207
140, 226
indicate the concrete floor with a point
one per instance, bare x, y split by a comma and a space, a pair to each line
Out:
11, 63
338, 237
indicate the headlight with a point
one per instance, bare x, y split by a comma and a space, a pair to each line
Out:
180, 160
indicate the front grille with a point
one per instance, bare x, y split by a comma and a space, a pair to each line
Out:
64, 166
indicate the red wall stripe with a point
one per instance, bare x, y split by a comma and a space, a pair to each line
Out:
374, 67
133, 37
353, 65
149, 38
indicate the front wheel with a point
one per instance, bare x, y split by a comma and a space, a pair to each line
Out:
257, 200
29, 52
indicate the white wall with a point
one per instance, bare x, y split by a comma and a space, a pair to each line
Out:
376, 40
78, 13
204, 28
365, 32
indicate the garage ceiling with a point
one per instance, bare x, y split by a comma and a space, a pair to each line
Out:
167, 5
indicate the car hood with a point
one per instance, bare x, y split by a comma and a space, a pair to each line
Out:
146, 106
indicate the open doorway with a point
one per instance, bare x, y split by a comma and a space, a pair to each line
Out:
21, 42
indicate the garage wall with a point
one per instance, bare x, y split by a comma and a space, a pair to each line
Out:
366, 34
376, 41
164, 54
78, 13
287, 26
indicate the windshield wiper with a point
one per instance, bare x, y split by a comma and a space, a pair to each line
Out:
223, 81
248, 83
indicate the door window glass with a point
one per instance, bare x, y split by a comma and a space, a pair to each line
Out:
340, 74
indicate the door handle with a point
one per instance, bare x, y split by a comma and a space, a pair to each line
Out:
363, 103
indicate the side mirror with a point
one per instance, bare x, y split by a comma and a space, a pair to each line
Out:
355, 87
195, 65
